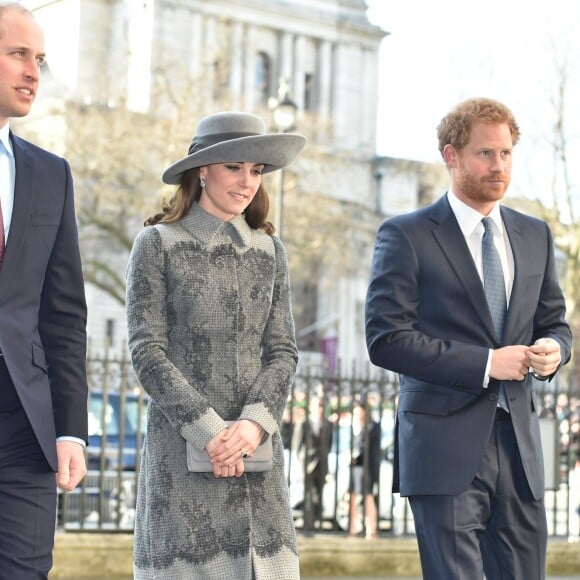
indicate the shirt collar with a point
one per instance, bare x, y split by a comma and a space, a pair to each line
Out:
469, 219
5, 139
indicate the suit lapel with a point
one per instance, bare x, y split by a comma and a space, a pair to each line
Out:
23, 188
452, 243
520, 253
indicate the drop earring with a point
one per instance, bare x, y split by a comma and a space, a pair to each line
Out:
202, 182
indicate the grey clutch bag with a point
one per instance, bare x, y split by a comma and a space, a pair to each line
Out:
262, 460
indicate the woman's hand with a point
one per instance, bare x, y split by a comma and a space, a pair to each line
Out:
229, 447
222, 469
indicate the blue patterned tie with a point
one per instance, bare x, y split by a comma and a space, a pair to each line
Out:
493, 280
494, 286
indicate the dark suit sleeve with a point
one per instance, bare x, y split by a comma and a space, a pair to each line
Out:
549, 319
404, 310
62, 323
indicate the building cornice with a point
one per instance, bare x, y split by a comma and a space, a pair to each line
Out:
331, 21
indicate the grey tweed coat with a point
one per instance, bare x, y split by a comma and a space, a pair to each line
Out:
211, 337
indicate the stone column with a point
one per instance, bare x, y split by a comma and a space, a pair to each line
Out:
236, 64
286, 57
207, 82
325, 73
297, 79
250, 68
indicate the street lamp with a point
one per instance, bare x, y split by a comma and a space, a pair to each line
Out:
284, 116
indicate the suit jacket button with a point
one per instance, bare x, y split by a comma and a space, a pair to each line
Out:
493, 397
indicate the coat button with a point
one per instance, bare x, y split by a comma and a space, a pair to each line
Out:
493, 397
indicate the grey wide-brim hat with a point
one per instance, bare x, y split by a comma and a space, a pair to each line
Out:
236, 137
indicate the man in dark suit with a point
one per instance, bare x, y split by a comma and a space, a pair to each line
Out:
313, 437
468, 451
43, 388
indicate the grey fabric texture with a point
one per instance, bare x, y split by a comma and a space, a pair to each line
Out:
211, 337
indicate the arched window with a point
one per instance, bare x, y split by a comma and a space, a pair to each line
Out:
308, 92
263, 78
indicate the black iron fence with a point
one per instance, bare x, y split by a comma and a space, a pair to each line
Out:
338, 439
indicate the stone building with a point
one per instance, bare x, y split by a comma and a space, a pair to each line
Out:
157, 58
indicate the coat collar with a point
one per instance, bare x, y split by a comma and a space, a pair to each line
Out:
205, 227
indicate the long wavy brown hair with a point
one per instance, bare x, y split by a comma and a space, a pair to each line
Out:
188, 192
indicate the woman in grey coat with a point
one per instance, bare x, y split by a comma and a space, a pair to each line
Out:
211, 337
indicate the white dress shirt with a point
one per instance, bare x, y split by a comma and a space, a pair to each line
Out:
7, 177
469, 221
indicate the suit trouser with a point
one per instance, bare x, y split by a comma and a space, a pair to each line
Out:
27, 493
495, 526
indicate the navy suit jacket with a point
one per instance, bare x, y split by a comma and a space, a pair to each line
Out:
42, 301
427, 319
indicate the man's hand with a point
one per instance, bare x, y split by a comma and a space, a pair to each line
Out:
510, 363
545, 356
71, 464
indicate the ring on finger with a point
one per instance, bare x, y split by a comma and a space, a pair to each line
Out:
243, 454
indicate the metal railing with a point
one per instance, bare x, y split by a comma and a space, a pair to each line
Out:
323, 436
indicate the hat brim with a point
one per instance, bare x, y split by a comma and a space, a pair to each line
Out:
275, 151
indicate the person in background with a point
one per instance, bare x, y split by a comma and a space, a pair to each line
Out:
211, 336
464, 303
43, 384
314, 440
365, 465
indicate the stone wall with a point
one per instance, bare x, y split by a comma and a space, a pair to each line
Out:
85, 556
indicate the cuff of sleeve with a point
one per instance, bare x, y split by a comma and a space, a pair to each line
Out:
487, 369
204, 429
73, 439
258, 413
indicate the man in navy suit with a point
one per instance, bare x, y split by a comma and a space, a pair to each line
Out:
468, 452
43, 387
